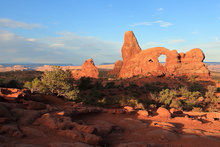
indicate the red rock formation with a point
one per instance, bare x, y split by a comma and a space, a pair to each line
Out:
130, 47
88, 70
117, 68
145, 62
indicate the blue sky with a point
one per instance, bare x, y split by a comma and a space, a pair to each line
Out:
72, 31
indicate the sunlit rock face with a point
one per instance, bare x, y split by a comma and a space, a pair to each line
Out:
145, 62
88, 70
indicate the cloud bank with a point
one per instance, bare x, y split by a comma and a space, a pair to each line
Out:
67, 48
8, 23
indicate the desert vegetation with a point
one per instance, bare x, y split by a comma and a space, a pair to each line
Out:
141, 92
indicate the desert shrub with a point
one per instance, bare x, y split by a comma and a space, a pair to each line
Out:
108, 101
166, 96
218, 89
152, 87
193, 77
34, 86
210, 93
110, 85
57, 82
130, 101
190, 95
158, 83
197, 109
196, 87
182, 90
98, 85
14, 84
84, 83
133, 85
176, 103
212, 108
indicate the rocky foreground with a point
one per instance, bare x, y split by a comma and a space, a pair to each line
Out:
28, 120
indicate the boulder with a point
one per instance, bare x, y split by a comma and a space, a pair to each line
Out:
129, 109
142, 113
103, 127
88, 70
133, 124
163, 112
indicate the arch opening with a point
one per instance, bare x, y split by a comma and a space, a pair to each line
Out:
162, 59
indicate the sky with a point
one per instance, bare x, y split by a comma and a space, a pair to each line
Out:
72, 31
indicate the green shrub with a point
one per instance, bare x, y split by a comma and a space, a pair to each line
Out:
210, 93
176, 104
57, 82
166, 96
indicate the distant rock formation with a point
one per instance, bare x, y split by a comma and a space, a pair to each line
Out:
145, 62
117, 68
88, 70
14, 68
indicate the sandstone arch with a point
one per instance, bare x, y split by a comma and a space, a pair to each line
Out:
145, 62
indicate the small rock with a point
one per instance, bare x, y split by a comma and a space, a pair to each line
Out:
129, 109
142, 113
163, 112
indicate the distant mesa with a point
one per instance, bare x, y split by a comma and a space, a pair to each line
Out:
145, 62
14, 68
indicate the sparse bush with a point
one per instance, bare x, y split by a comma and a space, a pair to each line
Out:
197, 109
130, 101
84, 83
14, 84
196, 87
211, 92
176, 104
166, 96
110, 85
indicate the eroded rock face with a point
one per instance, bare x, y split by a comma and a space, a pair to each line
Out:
117, 68
145, 62
130, 47
88, 70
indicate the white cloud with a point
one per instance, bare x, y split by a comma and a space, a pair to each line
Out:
31, 39
174, 41
195, 32
149, 44
9, 23
57, 45
160, 9
161, 23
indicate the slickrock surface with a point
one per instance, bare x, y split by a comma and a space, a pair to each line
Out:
47, 121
